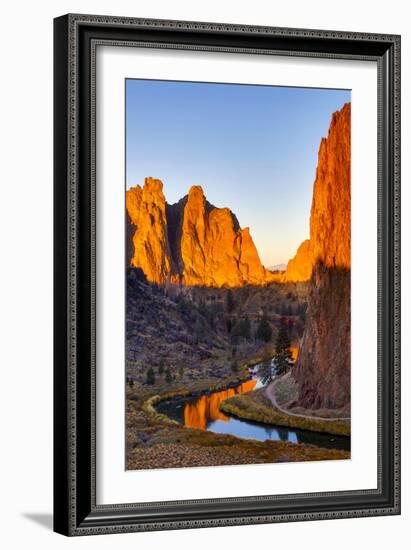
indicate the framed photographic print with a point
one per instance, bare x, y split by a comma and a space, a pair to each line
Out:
227, 278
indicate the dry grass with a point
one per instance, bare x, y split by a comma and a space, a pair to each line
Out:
156, 441
256, 407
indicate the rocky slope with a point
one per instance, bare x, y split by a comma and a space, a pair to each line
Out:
160, 330
323, 366
191, 242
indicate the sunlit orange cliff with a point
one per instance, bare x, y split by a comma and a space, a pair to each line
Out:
196, 244
323, 366
300, 267
207, 408
191, 242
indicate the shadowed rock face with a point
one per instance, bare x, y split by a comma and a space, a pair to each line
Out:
130, 230
191, 242
323, 367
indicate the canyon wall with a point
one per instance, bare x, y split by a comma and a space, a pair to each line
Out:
191, 242
323, 367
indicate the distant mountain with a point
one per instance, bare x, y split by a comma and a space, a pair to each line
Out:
278, 267
191, 242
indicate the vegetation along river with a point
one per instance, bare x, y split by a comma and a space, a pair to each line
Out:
202, 411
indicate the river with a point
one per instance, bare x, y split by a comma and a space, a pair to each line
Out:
203, 412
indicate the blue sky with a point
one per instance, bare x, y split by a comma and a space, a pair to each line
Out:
252, 148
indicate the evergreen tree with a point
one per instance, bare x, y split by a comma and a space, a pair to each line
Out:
169, 378
200, 326
229, 301
161, 369
241, 330
235, 331
150, 377
266, 372
234, 365
302, 311
246, 328
282, 350
264, 331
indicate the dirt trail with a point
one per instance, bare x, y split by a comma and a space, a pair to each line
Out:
270, 394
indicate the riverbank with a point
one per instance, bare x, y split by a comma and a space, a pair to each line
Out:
262, 406
156, 441
178, 447
204, 387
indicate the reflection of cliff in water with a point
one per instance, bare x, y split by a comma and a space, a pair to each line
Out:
206, 409
203, 412
294, 352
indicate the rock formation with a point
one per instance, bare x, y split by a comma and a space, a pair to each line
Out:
300, 267
330, 219
191, 242
130, 230
146, 208
323, 367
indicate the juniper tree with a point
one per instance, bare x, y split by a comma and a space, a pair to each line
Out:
283, 353
150, 377
246, 328
229, 301
241, 329
264, 331
169, 378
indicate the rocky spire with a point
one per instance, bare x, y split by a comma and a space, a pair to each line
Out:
146, 208
323, 366
191, 242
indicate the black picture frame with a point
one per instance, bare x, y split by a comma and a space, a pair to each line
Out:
75, 40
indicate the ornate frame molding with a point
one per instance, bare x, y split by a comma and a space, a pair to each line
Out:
76, 40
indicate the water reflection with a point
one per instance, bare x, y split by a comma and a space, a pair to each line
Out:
294, 352
206, 408
203, 412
